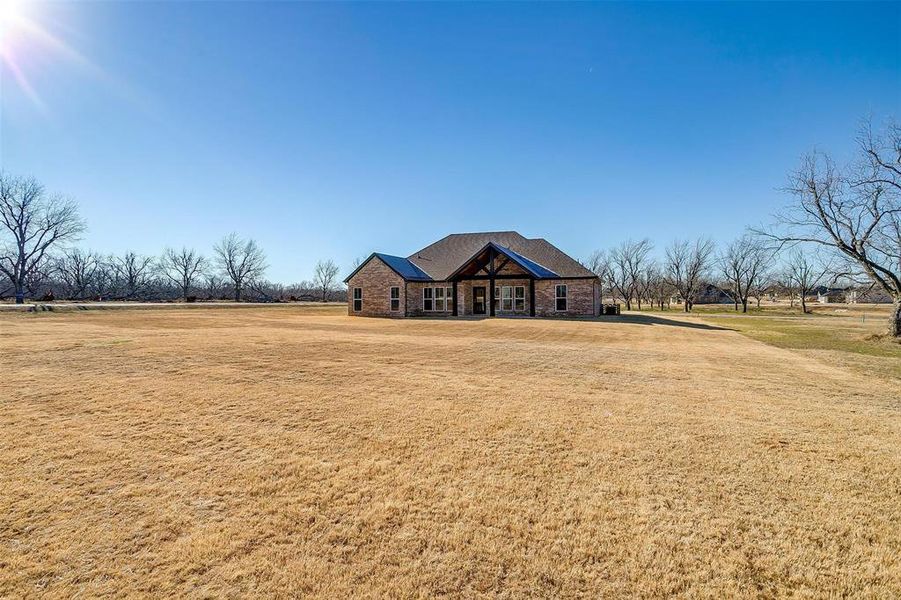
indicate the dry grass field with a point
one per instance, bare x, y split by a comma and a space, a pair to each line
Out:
287, 451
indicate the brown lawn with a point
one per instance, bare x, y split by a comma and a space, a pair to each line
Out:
294, 451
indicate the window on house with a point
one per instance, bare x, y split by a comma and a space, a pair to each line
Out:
358, 299
519, 298
427, 303
560, 298
507, 298
395, 299
439, 299
449, 298
497, 297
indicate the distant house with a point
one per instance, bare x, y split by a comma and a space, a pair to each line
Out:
827, 295
475, 274
846, 295
708, 294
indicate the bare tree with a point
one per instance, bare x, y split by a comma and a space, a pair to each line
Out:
324, 277
599, 264
742, 264
686, 265
213, 285
805, 274
133, 273
76, 270
183, 267
765, 284
855, 211
627, 263
660, 291
33, 222
647, 280
242, 261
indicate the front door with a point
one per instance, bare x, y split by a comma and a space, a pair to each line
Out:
478, 300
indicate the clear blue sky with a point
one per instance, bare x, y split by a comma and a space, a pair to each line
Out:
337, 129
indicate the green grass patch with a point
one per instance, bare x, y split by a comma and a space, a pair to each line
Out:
855, 341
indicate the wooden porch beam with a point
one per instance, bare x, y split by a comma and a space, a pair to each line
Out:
455, 298
491, 255
531, 297
502, 276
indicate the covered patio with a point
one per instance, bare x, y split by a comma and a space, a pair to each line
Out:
492, 264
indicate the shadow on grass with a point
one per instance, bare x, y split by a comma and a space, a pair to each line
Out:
631, 319
654, 320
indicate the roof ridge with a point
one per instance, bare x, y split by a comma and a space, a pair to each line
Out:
486, 232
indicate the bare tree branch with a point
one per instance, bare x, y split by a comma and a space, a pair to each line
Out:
241, 261
31, 223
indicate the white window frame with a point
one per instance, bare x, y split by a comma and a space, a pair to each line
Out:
558, 297
507, 298
441, 298
392, 299
358, 292
522, 289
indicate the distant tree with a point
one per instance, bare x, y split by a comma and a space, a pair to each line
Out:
686, 265
660, 291
853, 211
765, 284
805, 274
183, 267
76, 270
213, 285
134, 274
324, 277
628, 261
647, 280
32, 222
742, 264
39, 281
242, 261
105, 284
599, 264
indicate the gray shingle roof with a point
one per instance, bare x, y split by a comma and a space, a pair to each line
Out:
447, 254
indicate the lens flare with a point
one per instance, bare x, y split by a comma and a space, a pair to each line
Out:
26, 45
10, 11
14, 25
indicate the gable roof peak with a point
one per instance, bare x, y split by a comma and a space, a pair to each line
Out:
445, 256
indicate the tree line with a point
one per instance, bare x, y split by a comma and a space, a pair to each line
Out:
843, 224
694, 271
38, 261
842, 227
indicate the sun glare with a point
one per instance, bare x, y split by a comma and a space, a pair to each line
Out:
11, 12
26, 45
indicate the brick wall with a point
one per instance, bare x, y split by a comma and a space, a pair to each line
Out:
414, 299
581, 298
376, 280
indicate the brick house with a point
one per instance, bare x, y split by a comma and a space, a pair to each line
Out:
475, 274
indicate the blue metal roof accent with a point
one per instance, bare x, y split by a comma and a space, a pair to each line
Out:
533, 267
398, 264
404, 267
